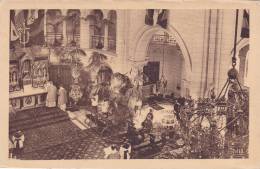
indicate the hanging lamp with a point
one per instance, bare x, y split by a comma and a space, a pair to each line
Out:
232, 104
232, 73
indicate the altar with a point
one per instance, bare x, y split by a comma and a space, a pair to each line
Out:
28, 74
28, 98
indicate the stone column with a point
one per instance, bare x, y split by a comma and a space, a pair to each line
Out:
105, 12
120, 32
64, 28
84, 29
45, 25
212, 52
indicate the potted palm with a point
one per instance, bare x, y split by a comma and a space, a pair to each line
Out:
76, 89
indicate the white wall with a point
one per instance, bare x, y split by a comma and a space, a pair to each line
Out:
172, 61
209, 51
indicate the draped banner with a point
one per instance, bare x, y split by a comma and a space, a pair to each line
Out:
157, 16
26, 28
245, 25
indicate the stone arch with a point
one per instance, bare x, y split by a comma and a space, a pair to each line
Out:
240, 44
141, 44
242, 57
144, 36
53, 32
94, 23
73, 26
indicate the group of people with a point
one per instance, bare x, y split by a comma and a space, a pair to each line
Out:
56, 97
118, 152
160, 87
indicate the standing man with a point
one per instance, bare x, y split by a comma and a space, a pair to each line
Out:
125, 151
18, 140
62, 98
94, 103
51, 95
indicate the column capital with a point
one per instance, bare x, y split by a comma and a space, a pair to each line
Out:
105, 13
84, 12
64, 12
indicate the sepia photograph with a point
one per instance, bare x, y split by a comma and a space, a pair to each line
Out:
128, 84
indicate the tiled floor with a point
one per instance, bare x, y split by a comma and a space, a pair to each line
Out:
86, 145
67, 140
43, 137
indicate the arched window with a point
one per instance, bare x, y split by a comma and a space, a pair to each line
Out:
242, 63
14, 76
54, 28
246, 70
112, 30
73, 27
96, 28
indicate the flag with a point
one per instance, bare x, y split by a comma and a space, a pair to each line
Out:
149, 17
245, 25
163, 19
36, 29
19, 20
14, 35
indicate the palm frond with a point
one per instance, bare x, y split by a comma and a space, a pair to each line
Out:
78, 52
49, 23
89, 17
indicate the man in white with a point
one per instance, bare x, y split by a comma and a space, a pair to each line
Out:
18, 140
125, 151
62, 98
51, 95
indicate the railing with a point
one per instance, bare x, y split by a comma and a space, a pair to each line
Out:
76, 38
50, 37
111, 44
95, 39
163, 39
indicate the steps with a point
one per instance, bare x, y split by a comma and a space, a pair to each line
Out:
37, 117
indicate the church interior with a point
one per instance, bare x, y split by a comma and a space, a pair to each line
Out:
128, 84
